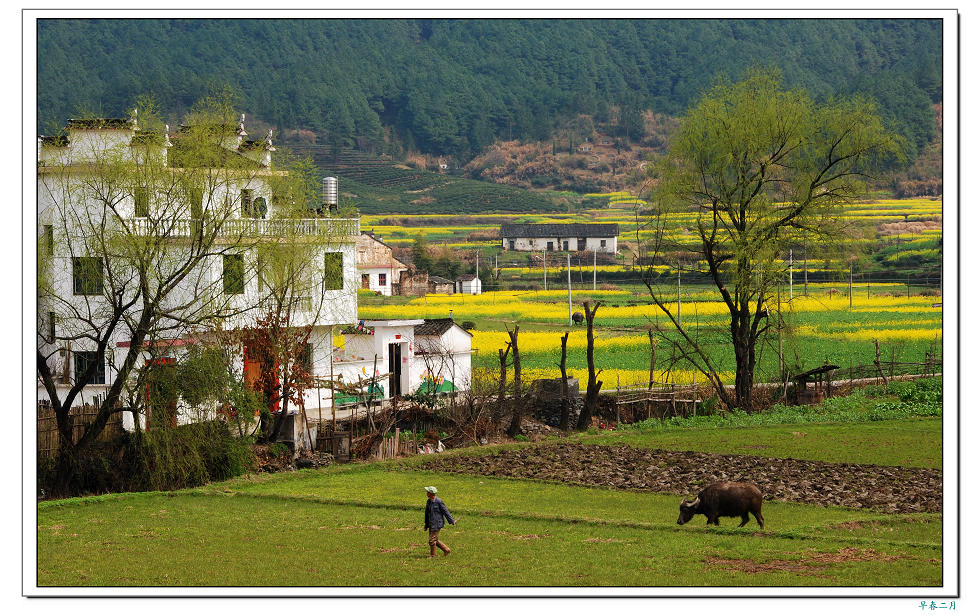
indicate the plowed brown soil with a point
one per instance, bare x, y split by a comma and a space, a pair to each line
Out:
886, 488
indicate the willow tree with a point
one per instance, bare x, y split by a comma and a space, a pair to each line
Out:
757, 165
143, 245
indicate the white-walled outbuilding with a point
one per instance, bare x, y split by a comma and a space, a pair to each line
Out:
469, 284
404, 355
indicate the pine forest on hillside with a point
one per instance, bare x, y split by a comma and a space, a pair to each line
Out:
451, 88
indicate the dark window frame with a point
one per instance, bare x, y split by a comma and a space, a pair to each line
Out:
49, 239
86, 278
305, 357
233, 274
141, 203
247, 210
83, 358
333, 271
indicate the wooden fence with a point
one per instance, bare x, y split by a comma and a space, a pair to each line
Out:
397, 446
658, 399
49, 438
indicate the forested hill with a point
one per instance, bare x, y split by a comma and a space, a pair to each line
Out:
451, 87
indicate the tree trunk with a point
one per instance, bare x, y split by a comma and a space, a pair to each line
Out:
653, 358
744, 359
565, 409
515, 421
280, 418
64, 470
502, 391
592, 389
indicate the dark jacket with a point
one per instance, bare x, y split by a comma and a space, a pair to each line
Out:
436, 514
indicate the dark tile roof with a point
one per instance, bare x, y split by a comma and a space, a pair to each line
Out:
207, 156
437, 326
466, 277
97, 123
248, 145
212, 127
438, 280
146, 137
54, 141
559, 230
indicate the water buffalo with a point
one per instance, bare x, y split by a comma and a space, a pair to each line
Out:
724, 500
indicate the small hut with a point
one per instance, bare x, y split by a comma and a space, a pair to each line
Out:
821, 377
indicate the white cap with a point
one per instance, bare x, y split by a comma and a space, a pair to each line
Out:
431, 490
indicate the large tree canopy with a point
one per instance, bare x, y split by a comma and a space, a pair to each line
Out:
758, 165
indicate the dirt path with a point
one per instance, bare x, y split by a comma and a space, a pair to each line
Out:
886, 488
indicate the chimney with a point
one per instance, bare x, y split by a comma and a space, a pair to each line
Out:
330, 193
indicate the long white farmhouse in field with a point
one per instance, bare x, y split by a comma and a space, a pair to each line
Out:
237, 202
574, 237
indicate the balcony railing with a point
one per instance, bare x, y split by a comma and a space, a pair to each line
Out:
249, 227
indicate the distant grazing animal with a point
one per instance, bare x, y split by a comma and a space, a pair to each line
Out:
724, 500
578, 317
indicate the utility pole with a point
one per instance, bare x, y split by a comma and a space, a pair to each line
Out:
867, 278
806, 290
678, 292
593, 268
790, 275
850, 284
568, 258
544, 267
779, 328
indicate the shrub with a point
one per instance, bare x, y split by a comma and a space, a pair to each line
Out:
184, 456
158, 460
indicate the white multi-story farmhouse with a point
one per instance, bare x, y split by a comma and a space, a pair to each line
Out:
380, 271
148, 240
572, 237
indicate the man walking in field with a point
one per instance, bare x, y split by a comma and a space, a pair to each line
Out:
436, 515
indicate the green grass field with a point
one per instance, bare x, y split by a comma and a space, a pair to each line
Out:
361, 524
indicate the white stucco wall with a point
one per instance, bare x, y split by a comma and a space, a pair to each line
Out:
540, 244
392, 276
